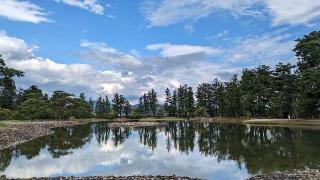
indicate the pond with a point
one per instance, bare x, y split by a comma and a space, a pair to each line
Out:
204, 150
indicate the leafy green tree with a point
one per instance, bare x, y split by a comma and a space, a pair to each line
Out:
37, 108
284, 91
308, 52
62, 103
233, 98
7, 84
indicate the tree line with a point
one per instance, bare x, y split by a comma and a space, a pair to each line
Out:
285, 91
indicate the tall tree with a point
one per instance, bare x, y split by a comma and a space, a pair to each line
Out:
284, 95
7, 84
127, 108
167, 102
153, 102
233, 98
116, 104
308, 52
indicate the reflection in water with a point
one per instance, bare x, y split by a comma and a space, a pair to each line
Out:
215, 147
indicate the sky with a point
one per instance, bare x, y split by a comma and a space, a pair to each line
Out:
101, 47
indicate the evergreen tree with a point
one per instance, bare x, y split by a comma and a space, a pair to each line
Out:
153, 102
108, 105
127, 108
173, 104
167, 102
116, 104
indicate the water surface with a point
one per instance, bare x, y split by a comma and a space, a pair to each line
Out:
205, 150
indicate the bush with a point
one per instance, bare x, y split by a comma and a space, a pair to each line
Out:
135, 114
5, 114
111, 115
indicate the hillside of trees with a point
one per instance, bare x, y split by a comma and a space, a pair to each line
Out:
285, 91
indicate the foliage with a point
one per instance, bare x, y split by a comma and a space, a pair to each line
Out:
5, 113
7, 84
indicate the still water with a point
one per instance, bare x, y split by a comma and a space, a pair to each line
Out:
204, 150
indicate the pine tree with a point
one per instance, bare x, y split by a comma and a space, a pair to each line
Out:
153, 102
116, 104
167, 102
107, 106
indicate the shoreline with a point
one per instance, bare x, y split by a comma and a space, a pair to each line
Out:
134, 177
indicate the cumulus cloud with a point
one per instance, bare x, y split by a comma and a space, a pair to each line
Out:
132, 75
46, 72
169, 50
292, 12
22, 11
90, 5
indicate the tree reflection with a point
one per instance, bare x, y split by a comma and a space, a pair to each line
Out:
258, 149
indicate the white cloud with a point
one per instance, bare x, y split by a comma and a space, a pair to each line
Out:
22, 11
169, 50
292, 12
45, 72
267, 49
90, 5
169, 12
103, 53
14, 48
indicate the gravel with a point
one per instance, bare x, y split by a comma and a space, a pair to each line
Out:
310, 174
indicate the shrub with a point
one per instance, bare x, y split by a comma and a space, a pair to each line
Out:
111, 115
135, 114
5, 114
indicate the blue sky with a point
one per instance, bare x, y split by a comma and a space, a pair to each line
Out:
108, 46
